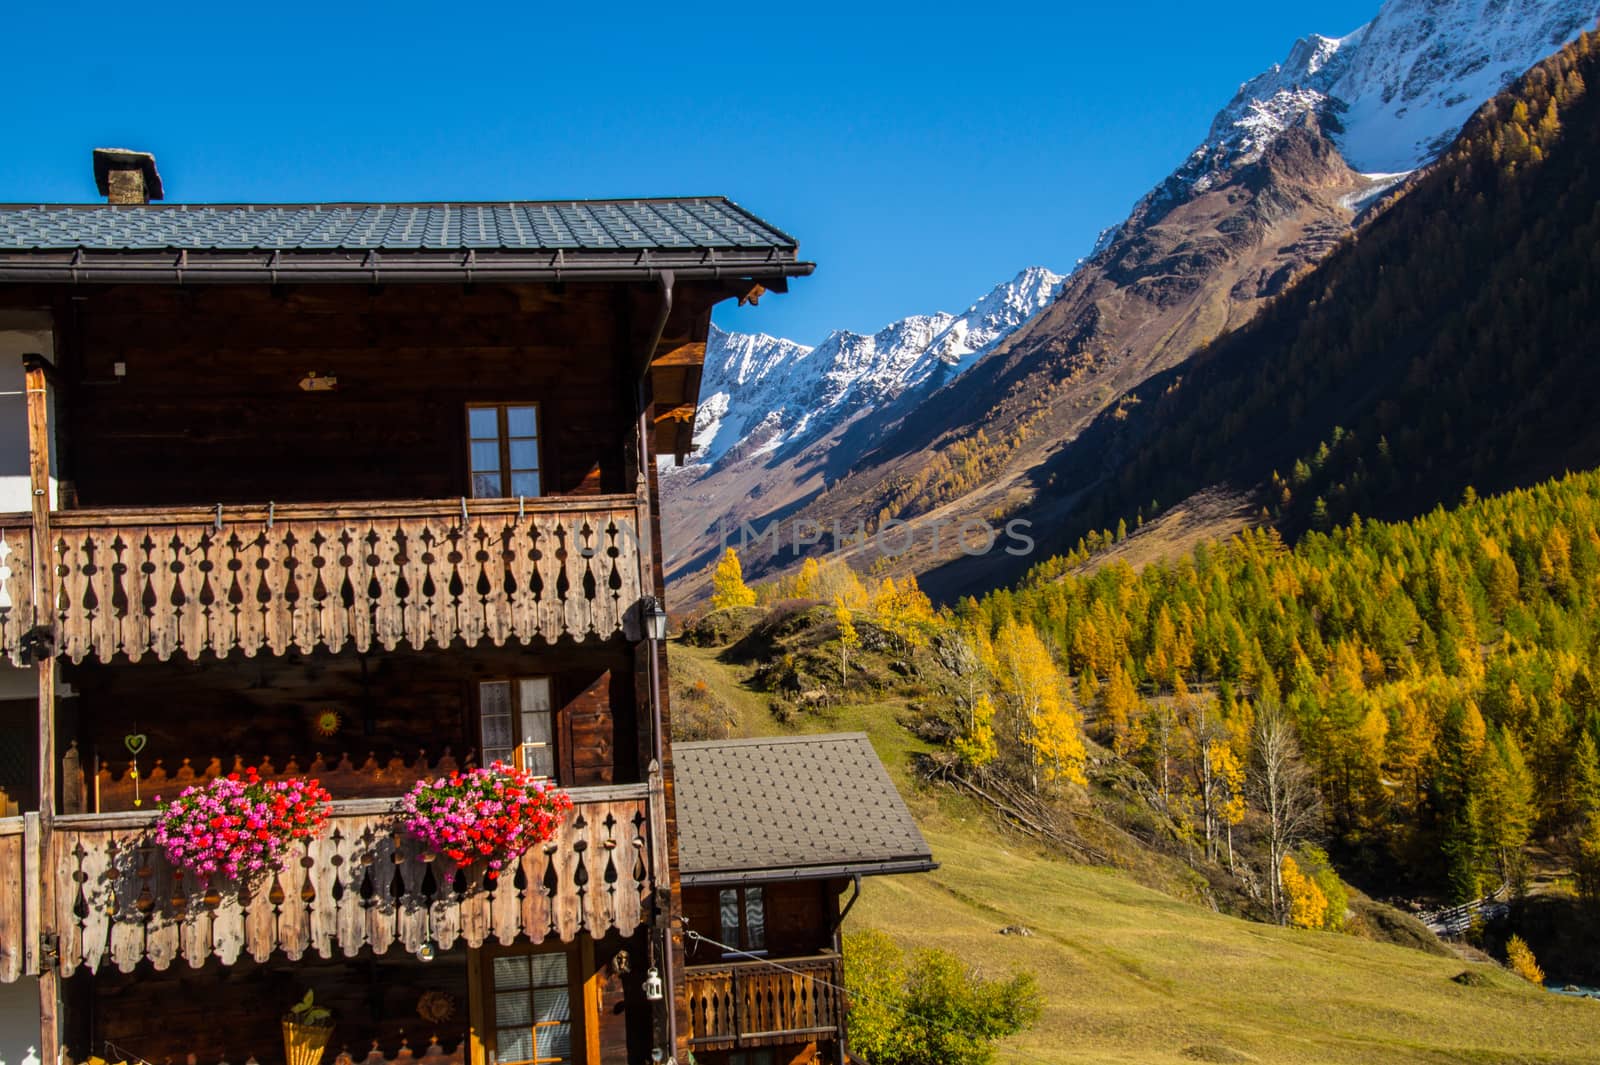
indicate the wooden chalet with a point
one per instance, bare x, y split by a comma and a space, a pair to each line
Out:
771, 835
359, 491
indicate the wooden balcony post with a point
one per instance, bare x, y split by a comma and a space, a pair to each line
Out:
36, 375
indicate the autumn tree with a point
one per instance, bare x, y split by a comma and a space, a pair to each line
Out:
903, 611
805, 582
1284, 793
1228, 804
835, 581
848, 637
1043, 723
976, 746
1584, 781
1506, 810
1587, 860
1519, 958
1306, 905
1118, 704
727, 584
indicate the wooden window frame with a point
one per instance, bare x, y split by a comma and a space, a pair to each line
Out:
582, 989
744, 950
560, 741
502, 428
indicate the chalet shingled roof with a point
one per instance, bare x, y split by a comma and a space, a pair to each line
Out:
790, 807
576, 239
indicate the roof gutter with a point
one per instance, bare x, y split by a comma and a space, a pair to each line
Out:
187, 271
809, 872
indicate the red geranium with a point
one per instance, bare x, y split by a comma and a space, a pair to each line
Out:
490, 815
239, 825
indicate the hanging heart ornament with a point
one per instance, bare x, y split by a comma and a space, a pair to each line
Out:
135, 742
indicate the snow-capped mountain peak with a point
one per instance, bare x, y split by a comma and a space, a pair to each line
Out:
1393, 93
760, 393
1422, 67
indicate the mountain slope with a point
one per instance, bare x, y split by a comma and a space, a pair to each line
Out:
1267, 195
770, 407
1450, 345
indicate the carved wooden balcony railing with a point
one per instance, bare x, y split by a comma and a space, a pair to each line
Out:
13, 934
752, 1003
364, 883
162, 581
16, 583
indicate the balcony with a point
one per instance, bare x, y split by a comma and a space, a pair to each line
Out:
751, 1003
362, 884
161, 581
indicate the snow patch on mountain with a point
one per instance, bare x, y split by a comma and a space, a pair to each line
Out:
1423, 68
1393, 93
760, 393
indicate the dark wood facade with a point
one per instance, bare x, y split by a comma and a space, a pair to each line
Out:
406, 706
255, 543
209, 406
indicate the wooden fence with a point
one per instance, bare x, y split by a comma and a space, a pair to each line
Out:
363, 883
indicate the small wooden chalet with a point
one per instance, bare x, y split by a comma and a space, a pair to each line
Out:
772, 833
364, 492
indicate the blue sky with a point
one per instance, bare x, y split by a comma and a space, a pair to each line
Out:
921, 155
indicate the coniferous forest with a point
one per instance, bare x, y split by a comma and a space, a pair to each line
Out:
1443, 675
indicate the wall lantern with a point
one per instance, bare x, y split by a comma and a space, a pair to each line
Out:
655, 618
652, 985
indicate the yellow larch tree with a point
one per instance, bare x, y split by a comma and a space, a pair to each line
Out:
805, 582
1044, 723
1522, 962
848, 637
1119, 703
903, 611
727, 584
1308, 906
976, 747
1228, 771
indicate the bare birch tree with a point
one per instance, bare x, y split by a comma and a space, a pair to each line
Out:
1283, 789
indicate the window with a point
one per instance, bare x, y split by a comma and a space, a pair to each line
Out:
516, 724
529, 1010
503, 441
744, 919
754, 1057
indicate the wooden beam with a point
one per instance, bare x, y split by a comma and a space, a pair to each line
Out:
37, 376
691, 353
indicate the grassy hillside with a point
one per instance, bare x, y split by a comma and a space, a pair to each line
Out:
1132, 974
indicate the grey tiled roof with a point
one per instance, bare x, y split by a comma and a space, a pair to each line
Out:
593, 225
790, 806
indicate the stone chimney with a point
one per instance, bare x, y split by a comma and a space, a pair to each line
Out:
124, 176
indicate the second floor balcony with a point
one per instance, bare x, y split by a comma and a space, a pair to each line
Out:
183, 581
